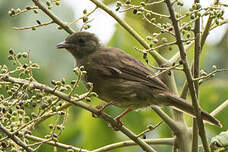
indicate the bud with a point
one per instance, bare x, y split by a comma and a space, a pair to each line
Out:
149, 38
135, 11
214, 67
85, 11
11, 51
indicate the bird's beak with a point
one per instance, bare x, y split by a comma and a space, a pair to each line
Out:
62, 45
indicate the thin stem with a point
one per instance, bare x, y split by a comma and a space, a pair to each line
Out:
55, 18
154, 3
154, 24
54, 143
225, 21
207, 27
150, 128
203, 36
34, 26
220, 108
196, 74
162, 45
159, 141
16, 139
169, 121
75, 21
210, 74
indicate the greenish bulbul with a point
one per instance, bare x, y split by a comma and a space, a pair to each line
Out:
120, 78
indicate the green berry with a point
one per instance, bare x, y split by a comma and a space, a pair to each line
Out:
35, 11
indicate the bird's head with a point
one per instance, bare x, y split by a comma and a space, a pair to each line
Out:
80, 44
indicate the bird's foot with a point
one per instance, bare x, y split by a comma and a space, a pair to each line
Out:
103, 106
118, 125
100, 108
117, 119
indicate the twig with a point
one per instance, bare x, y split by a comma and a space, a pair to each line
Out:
24, 11
27, 125
16, 139
34, 26
83, 16
144, 10
154, 13
202, 39
219, 108
149, 128
58, 144
225, 21
165, 70
207, 27
46, 116
159, 141
165, 30
210, 74
169, 121
162, 45
55, 19
196, 73
154, 3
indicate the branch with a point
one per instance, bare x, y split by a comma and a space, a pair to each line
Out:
203, 36
54, 143
16, 139
33, 27
188, 76
196, 74
55, 18
159, 141
220, 108
170, 122
207, 27
77, 102
86, 15
225, 21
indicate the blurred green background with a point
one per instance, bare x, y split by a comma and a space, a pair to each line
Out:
81, 129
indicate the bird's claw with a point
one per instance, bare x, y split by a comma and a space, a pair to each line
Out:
116, 126
100, 108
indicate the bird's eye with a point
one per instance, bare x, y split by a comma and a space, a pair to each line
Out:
82, 41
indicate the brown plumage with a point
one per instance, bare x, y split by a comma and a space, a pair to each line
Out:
120, 78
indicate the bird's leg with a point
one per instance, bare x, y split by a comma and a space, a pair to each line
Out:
118, 119
101, 107
121, 115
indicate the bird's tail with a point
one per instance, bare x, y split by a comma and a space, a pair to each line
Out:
183, 105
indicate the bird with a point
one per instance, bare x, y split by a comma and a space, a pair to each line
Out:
120, 79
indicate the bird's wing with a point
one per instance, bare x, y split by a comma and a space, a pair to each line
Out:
117, 64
